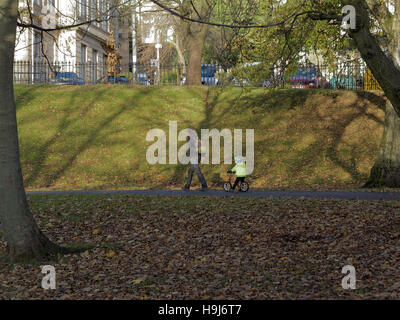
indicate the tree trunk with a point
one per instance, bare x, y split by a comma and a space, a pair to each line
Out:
195, 45
386, 69
386, 170
194, 36
195, 48
23, 237
181, 57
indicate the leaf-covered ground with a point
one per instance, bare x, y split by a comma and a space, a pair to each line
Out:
218, 248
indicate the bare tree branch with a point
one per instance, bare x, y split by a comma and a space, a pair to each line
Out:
296, 13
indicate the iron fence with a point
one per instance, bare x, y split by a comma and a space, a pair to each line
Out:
42, 72
346, 76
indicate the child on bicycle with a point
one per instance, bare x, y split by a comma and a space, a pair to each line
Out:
240, 170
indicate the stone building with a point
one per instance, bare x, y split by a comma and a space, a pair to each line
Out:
79, 50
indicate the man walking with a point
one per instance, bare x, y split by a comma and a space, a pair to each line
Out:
196, 151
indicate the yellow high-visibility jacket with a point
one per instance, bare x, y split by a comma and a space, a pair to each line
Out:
240, 170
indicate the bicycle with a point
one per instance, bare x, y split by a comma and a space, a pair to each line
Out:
243, 186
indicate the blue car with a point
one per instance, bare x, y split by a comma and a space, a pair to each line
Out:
70, 78
208, 72
117, 80
141, 78
305, 78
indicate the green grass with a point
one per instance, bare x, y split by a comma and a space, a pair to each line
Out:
94, 137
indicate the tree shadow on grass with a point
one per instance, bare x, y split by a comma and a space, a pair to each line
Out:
259, 103
329, 138
65, 123
271, 100
25, 94
43, 152
330, 135
337, 132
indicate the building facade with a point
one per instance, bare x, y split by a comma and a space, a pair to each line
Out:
80, 49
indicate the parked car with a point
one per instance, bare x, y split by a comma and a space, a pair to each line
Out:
71, 78
207, 75
208, 72
344, 82
305, 78
141, 78
117, 80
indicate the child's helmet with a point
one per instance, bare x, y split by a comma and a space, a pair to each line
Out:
238, 159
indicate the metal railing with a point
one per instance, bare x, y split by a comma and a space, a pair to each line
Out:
345, 76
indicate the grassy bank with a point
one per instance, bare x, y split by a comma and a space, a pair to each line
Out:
95, 137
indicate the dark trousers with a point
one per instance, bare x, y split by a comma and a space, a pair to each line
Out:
195, 168
238, 179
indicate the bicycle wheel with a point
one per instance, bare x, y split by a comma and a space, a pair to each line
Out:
227, 186
244, 187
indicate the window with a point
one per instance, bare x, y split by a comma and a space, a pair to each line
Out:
93, 9
83, 53
83, 8
37, 54
83, 60
94, 66
94, 56
38, 2
104, 14
37, 42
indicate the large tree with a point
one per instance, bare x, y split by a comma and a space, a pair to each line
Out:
377, 21
21, 232
195, 35
24, 239
385, 66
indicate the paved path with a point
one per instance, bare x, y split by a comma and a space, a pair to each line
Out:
347, 195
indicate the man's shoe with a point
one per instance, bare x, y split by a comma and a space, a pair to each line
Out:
185, 188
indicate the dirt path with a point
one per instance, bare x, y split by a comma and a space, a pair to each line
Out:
346, 195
